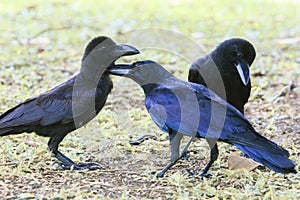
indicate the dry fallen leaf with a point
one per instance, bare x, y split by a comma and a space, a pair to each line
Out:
235, 161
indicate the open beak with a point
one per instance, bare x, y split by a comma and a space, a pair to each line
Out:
120, 69
243, 70
125, 50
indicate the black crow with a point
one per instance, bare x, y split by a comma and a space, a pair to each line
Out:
71, 104
183, 108
226, 71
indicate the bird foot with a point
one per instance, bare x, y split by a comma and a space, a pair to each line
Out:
198, 172
206, 175
141, 139
185, 156
80, 166
157, 175
160, 174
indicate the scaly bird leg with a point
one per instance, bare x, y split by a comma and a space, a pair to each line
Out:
184, 152
66, 163
175, 139
214, 153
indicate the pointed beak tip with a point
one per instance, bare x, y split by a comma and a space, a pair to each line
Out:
120, 69
244, 72
246, 82
129, 50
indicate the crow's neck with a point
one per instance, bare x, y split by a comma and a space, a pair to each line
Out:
149, 87
90, 79
92, 75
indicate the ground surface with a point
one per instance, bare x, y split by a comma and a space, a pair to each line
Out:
41, 46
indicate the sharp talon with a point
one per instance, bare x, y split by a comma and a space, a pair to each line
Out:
206, 175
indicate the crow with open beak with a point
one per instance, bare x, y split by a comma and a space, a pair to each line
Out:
71, 104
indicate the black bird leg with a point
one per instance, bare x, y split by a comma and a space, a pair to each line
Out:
175, 139
66, 163
214, 153
184, 153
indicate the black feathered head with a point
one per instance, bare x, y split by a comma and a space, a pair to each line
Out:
102, 52
239, 53
103, 40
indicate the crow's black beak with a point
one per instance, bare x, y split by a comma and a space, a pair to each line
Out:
126, 50
243, 70
120, 69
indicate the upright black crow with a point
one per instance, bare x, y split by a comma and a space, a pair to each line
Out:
71, 104
226, 71
180, 107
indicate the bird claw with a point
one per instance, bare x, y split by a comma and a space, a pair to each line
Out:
80, 166
206, 175
160, 174
185, 156
153, 174
156, 174
141, 139
89, 166
198, 172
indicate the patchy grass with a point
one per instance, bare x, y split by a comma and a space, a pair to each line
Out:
41, 46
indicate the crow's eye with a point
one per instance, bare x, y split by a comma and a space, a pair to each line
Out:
137, 63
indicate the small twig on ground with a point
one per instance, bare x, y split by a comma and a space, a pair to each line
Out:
284, 91
50, 29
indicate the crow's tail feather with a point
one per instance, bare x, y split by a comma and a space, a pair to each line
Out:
10, 130
277, 162
6, 131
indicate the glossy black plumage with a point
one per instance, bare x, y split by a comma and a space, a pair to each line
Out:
71, 104
226, 71
183, 108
